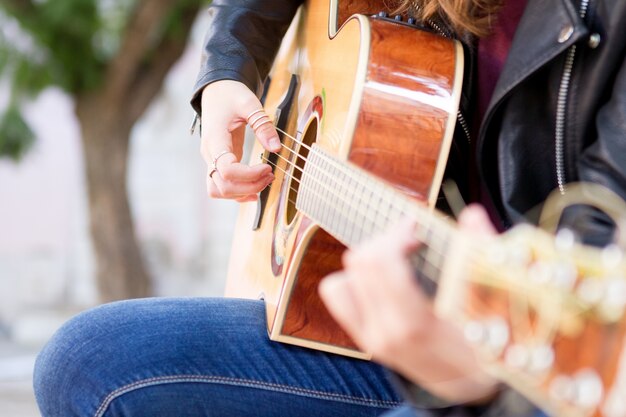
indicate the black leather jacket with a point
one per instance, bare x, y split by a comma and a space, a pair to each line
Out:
558, 113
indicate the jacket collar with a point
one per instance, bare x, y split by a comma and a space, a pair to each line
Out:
538, 39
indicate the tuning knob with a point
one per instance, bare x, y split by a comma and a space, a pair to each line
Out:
398, 18
492, 335
383, 14
412, 21
583, 390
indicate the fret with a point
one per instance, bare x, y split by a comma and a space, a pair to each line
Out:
368, 228
335, 222
354, 215
351, 205
383, 210
394, 210
400, 204
360, 216
346, 199
430, 271
424, 271
375, 207
326, 214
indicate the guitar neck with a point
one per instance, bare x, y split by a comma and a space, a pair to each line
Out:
352, 205
521, 292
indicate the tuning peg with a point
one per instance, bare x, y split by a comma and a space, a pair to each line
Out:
584, 389
492, 334
383, 14
412, 21
398, 18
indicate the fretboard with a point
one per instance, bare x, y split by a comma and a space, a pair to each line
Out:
353, 205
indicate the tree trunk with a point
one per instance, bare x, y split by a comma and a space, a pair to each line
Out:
121, 271
131, 81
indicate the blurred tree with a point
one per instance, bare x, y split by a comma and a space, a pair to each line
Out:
112, 57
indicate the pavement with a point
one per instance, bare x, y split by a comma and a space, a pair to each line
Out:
16, 365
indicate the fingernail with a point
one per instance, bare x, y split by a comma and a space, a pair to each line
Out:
275, 144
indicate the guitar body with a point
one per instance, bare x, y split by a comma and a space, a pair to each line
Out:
379, 94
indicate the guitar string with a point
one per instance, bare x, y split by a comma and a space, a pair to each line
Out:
423, 255
431, 243
425, 229
344, 168
420, 254
363, 212
480, 268
488, 270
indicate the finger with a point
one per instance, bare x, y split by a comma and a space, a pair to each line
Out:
338, 297
475, 219
382, 265
231, 189
403, 237
262, 126
395, 244
218, 187
247, 199
233, 171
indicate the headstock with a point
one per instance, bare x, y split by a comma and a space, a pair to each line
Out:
547, 315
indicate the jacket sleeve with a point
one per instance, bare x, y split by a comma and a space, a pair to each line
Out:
241, 42
603, 163
508, 402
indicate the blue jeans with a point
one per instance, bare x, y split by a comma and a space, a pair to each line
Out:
197, 357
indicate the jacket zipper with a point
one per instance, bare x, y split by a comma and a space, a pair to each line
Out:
561, 107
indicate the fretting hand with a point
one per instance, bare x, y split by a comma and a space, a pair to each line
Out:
377, 300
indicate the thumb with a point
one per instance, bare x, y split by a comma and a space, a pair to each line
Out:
475, 219
262, 125
337, 295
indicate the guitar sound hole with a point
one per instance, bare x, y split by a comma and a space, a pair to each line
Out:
308, 138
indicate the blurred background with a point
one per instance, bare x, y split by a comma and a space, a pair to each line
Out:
102, 188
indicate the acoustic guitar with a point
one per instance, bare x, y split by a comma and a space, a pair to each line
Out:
366, 107
380, 94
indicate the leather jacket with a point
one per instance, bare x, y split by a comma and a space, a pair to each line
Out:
557, 115
558, 112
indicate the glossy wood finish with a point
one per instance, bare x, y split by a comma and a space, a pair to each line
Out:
402, 121
370, 112
306, 316
347, 8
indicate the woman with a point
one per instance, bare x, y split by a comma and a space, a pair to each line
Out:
557, 114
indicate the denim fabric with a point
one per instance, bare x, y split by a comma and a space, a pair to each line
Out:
196, 357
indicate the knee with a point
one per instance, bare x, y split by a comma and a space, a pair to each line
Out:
69, 368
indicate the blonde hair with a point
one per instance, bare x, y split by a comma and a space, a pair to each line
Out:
464, 16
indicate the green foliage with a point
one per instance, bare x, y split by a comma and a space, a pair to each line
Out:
62, 34
15, 135
65, 43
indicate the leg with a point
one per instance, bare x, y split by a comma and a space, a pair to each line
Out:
199, 357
